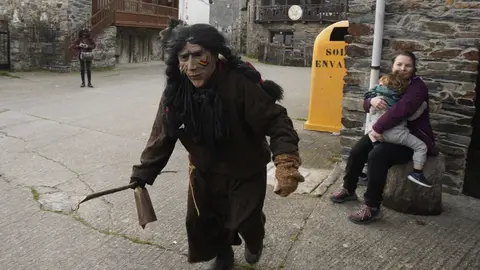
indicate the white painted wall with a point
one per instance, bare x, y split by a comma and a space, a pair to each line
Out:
194, 11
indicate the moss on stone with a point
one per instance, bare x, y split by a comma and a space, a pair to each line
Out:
102, 69
8, 75
35, 194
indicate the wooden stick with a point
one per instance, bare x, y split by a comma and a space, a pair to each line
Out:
108, 191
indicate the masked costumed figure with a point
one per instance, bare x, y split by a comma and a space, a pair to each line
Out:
221, 110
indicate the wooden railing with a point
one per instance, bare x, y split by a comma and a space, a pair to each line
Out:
135, 6
311, 13
139, 13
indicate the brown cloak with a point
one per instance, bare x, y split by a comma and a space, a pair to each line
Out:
226, 195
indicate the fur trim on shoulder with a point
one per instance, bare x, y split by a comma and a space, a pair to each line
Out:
273, 89
270, 87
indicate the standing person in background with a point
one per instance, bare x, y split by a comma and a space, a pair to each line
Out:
84, 46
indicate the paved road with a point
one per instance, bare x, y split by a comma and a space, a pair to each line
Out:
59, 142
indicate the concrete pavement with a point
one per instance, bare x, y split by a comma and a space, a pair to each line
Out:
60, 142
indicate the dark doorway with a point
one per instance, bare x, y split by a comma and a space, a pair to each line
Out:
471, 186
4, 46
131, 48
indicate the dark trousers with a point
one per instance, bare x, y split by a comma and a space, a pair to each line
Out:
86, 66
379, 159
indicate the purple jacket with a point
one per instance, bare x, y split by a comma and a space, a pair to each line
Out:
415, 95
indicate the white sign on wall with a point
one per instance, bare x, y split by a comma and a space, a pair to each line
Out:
295, 12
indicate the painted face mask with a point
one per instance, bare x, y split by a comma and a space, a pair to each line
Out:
197, 63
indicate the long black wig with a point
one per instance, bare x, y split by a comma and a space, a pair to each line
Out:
211, 39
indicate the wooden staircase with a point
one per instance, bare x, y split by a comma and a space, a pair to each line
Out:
98, 22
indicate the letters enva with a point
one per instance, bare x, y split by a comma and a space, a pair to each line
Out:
329, 64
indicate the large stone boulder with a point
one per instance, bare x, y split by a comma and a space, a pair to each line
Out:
405, 196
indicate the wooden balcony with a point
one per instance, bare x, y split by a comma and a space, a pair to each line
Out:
135, 13
319, 13
140, 13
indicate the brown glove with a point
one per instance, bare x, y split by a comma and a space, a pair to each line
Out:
287, 173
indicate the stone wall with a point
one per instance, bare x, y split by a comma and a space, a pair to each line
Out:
445, 39
36, 29
3, 9
79, 12
106, 48
238, 36
25, 12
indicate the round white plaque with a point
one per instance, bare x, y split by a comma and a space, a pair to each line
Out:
295, 12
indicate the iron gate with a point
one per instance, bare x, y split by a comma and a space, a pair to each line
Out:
4, 46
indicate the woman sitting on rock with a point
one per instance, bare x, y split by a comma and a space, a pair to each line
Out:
381, 157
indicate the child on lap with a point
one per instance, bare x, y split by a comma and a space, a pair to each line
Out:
391, 88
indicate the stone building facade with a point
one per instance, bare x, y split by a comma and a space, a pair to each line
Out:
445, 36
301, 35
274, 40
291, 40
36, 31
39, 28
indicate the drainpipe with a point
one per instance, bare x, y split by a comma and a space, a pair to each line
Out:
377, 45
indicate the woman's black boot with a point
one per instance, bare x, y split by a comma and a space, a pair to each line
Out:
89, 77
82, 75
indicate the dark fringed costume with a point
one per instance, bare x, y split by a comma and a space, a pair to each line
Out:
223, 127
201, 113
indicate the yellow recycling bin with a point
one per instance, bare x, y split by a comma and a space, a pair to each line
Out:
326, 86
